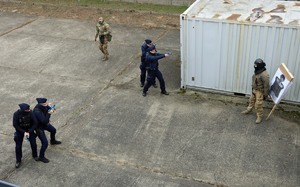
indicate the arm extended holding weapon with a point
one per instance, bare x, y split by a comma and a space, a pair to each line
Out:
168, 53
51, 109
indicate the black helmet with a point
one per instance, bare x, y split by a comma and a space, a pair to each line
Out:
259, 64
258, 61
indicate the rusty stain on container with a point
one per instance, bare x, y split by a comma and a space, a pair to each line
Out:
233, 17
280, 8
216, 16
295, 22
227, 2
257, 13
275, 19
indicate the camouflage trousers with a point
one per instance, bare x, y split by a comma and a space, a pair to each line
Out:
256, 100
103, 47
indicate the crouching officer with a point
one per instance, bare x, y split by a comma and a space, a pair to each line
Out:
42, 112
152, 58
25, 123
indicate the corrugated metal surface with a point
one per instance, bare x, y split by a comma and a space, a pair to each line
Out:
258, 11
219, 54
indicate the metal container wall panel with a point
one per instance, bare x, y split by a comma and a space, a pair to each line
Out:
219, 55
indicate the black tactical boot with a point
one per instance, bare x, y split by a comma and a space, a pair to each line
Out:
54, 142
165, 92
18, 164
36, 158
44, 159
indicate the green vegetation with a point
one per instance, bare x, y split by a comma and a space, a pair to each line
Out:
115, 5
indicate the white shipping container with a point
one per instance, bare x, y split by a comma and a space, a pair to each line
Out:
221, 39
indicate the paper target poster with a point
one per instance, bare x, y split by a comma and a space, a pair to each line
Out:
280, 83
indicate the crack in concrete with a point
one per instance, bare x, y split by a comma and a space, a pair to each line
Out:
110, 83
123, 162
20, 26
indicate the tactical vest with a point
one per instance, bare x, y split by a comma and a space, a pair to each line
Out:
102, 29
24, 120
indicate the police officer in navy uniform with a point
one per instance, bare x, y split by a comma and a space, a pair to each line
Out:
25, 123
152, 58
148, 43
42, 112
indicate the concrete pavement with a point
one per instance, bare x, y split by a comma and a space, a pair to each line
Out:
112, 136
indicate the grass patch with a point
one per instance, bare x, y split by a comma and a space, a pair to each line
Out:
115, 5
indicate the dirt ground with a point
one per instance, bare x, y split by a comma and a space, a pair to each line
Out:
128, 17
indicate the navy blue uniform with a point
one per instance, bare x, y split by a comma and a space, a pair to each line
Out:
143, 63
144, 48
43, 118
153, 71
24, 122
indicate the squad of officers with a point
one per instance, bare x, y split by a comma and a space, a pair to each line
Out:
30, 124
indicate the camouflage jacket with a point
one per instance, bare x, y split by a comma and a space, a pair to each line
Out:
102, 29
261, 82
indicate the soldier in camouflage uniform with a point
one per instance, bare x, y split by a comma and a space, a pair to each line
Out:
260, 89
103, 31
